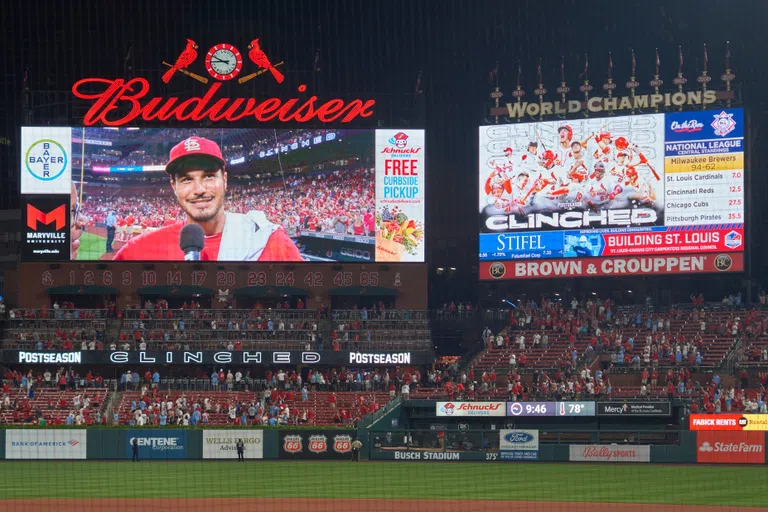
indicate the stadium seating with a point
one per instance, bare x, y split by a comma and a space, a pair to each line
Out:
224, 398
50, 328
319, 402
382, 329
47, 400
218, 329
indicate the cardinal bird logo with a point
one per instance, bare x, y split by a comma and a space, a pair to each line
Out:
257, 55
186, 58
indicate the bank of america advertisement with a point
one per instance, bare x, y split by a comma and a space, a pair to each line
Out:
643, 194
38, 444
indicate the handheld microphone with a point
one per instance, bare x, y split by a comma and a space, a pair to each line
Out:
192, 241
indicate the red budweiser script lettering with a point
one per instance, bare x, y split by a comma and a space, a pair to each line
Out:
112, 97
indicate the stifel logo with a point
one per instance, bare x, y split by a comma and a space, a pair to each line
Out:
57, 216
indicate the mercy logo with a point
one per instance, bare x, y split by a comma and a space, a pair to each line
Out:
46, 160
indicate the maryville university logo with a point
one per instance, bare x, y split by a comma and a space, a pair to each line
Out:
318, 443
57, 217
117, 102
342, 444
292, 444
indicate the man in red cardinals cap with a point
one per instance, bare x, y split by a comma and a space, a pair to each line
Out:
198, 178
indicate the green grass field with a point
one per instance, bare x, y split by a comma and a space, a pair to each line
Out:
91, 247
669, 484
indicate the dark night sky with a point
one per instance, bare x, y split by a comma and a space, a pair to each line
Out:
376, 48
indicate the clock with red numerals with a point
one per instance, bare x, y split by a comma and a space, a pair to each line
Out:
223, 62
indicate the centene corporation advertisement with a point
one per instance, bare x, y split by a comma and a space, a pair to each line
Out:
140, 194
157, 444
612, 196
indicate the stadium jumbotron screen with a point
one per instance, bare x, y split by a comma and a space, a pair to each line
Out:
626, 195
172, 194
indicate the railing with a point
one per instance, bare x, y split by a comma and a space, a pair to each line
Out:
220, 314
374, 315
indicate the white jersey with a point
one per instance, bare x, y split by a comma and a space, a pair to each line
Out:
529, 163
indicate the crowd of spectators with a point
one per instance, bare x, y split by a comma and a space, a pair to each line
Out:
341, 202
42, 397
156, 327
632, 338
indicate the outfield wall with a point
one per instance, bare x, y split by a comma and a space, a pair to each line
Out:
709, 447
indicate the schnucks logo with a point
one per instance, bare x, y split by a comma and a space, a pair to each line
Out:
518, 437
400, 141
292, 444
448, 409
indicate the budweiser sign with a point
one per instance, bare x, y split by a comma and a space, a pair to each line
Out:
119, 102
610, 453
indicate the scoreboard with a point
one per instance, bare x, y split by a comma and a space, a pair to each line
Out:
629, 195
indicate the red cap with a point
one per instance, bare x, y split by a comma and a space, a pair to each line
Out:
401, 136
191, 150
508, 149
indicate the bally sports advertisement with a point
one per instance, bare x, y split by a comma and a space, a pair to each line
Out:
644, 194
226, 194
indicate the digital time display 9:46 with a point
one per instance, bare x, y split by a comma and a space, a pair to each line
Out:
550, 408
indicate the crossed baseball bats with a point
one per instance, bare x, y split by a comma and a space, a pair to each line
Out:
204, 80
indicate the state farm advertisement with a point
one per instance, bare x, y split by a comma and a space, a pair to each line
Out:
461, 409
609, 453
620, 266
400, 195
730, 447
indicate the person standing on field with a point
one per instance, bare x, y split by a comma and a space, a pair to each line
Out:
240, 450
356, 446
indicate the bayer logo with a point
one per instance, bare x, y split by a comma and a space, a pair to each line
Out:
46, 160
